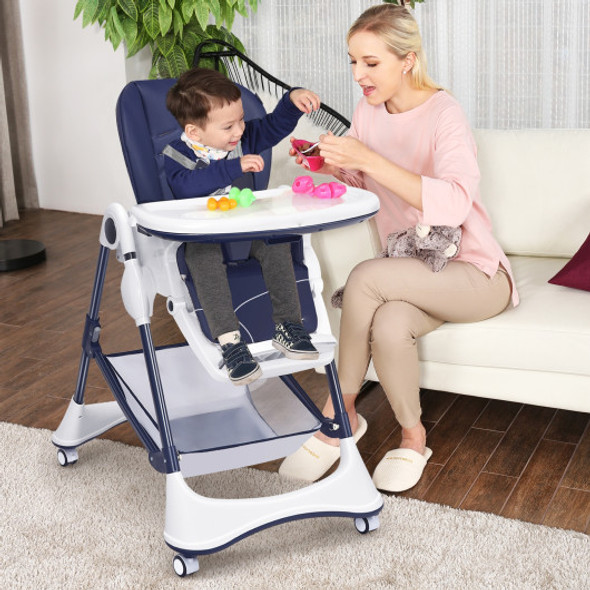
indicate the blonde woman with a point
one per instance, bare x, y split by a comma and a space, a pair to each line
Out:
410, 144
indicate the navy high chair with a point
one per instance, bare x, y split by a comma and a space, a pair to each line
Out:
190, 418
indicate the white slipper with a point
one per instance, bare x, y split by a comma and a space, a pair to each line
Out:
400, 470
314, 457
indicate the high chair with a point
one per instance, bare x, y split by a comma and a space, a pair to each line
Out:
191, 419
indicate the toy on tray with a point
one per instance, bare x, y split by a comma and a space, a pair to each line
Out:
309, 152
243, 198
326, 190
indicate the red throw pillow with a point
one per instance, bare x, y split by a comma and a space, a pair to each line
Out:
576, 273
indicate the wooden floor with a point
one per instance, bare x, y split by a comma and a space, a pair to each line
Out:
510, 459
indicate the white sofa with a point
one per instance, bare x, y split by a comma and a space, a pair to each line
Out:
536, 187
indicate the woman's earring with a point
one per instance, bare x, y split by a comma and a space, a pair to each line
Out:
404, 72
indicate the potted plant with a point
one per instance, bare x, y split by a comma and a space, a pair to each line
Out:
412, 3
171, 28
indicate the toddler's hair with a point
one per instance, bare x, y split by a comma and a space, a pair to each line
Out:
197, 92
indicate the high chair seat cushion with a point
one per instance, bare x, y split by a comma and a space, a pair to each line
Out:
249, 293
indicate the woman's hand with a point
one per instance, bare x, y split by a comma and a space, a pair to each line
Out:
325, 169
351, 154
345, 152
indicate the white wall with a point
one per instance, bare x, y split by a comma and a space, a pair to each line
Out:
73, 78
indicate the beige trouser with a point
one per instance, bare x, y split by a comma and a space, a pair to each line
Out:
389, 302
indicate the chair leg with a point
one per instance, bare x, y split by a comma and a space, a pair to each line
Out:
340, 414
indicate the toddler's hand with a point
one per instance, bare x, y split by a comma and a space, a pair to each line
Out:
305, 100
252, 163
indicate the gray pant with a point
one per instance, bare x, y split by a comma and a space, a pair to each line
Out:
209, 274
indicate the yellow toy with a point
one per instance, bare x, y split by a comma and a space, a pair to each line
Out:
243, 198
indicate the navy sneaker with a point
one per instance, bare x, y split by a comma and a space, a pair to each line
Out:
293, 340
241, 366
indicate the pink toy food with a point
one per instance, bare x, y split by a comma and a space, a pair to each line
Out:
312, 159
303, 184
329, 190
326, 190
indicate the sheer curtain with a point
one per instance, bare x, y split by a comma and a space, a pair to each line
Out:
511, 63
18, 189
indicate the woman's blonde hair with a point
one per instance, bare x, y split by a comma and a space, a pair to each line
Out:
398, 29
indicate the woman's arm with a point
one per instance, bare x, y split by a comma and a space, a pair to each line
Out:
349, 153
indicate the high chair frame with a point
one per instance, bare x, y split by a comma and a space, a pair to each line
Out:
187, 414
247, 73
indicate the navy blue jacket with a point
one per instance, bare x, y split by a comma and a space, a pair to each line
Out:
259, 135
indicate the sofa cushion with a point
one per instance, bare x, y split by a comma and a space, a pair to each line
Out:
549, 331
576, 273
536, 188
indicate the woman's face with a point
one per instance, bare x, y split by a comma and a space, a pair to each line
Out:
376, 69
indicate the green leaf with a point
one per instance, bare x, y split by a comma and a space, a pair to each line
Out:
111, 30
104, 7
165, 44
129, 30
116, 22
254, 5
202, 14
190, 40
215, 9
78, 9
129, 8
186, 9
228, 15
240, 6
151, 20
90, 12
178, 23
140, 42
172, 3
165, 18
176, 62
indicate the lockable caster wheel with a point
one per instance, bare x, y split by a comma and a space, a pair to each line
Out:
184, 566
366, 524
67, 457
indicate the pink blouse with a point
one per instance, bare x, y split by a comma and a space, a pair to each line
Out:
435, 141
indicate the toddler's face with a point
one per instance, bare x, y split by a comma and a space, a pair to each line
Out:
224, 128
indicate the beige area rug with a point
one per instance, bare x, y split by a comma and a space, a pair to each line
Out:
99, 525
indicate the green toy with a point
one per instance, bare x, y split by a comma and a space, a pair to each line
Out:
234, 193
244, 197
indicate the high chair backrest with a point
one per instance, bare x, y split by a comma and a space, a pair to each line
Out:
146, 127
224, 57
